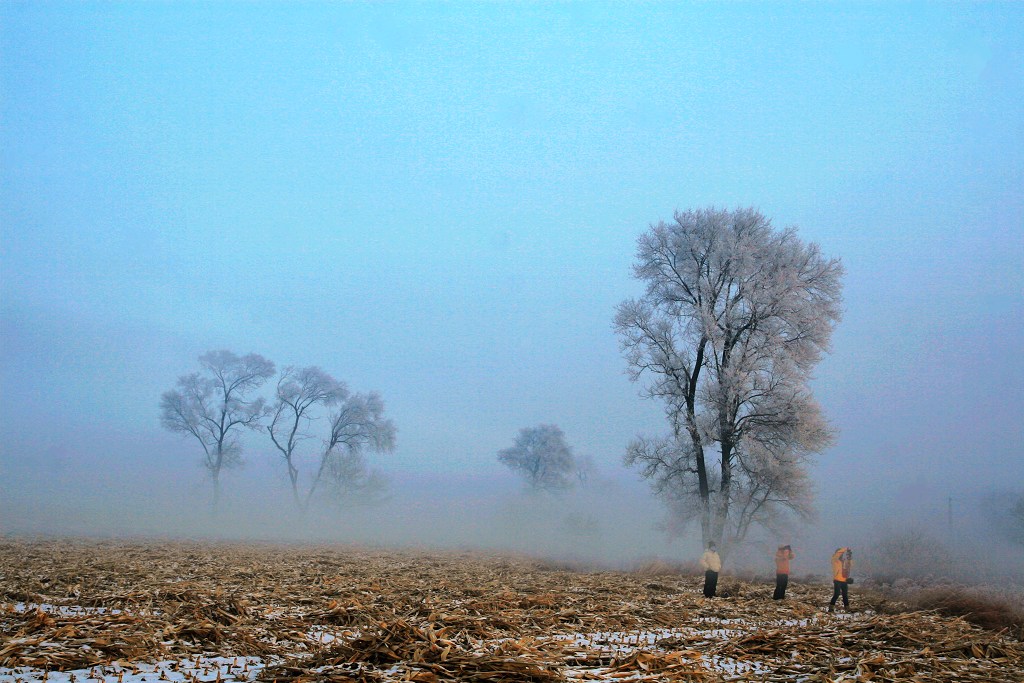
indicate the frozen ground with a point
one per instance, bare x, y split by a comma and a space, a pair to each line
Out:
195, 669
598, 655
588, 656
72, 612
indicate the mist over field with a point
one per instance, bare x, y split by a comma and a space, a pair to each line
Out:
454, 512
441, 203
614, 522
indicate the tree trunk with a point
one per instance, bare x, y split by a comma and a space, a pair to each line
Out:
703, 488
216, 491
215, 470
293, 475
319, 473
724, 494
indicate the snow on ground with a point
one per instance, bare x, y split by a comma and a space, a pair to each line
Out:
588, 655
325, 635
63, 610
190, 670
622, 644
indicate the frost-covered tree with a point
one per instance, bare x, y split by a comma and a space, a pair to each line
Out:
300, 393
357, 426
542, 457
214, 403
734, 317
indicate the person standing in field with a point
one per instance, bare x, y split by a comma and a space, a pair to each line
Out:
842, 565
712, 564
782, 557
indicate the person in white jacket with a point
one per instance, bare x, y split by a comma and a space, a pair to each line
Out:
712, 564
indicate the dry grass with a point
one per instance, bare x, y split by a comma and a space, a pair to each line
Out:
988, 611
345, 614
665, 568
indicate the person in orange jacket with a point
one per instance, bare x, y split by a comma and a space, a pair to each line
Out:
842, 565
782, 557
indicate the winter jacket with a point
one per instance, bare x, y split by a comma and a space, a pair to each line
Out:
782, 558
841, 565
710, 561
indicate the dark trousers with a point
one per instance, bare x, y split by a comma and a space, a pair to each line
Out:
710, 583
781, 581
839, 587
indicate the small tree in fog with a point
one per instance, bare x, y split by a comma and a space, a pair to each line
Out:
349, 481
734, 318
1004, 511
586, 470
1016, 521
912, 553
299, 393
357, 427
214, 403
542, 458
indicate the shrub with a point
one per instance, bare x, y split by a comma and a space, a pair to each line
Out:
988, 611
909, 554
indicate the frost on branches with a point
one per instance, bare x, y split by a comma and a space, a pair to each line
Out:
734, 317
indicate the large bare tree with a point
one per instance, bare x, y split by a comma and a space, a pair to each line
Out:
300, 393
214, 403
357, 426
543, 458
353, 424
734, 317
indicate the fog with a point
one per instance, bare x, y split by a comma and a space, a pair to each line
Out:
470, 513
441, 202
611, 522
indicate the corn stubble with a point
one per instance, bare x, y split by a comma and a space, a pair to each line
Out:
355, 615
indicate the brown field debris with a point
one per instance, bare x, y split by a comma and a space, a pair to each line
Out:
355, 615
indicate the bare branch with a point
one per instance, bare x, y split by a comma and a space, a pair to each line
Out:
212, 404
734, 317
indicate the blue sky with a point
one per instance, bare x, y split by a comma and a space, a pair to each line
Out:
440, 202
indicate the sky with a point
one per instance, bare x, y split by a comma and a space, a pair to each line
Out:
440, 202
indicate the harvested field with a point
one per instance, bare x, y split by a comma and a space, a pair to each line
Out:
119, 611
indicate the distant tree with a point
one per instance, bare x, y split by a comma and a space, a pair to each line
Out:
586, 469
542, 457
1016, 521
349, 481
357, 426
299, 394
1004, 512
912, 553
214, 403
734, 318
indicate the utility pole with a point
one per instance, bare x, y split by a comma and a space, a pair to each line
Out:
949, 515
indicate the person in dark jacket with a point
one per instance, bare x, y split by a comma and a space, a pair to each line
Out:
782, 557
